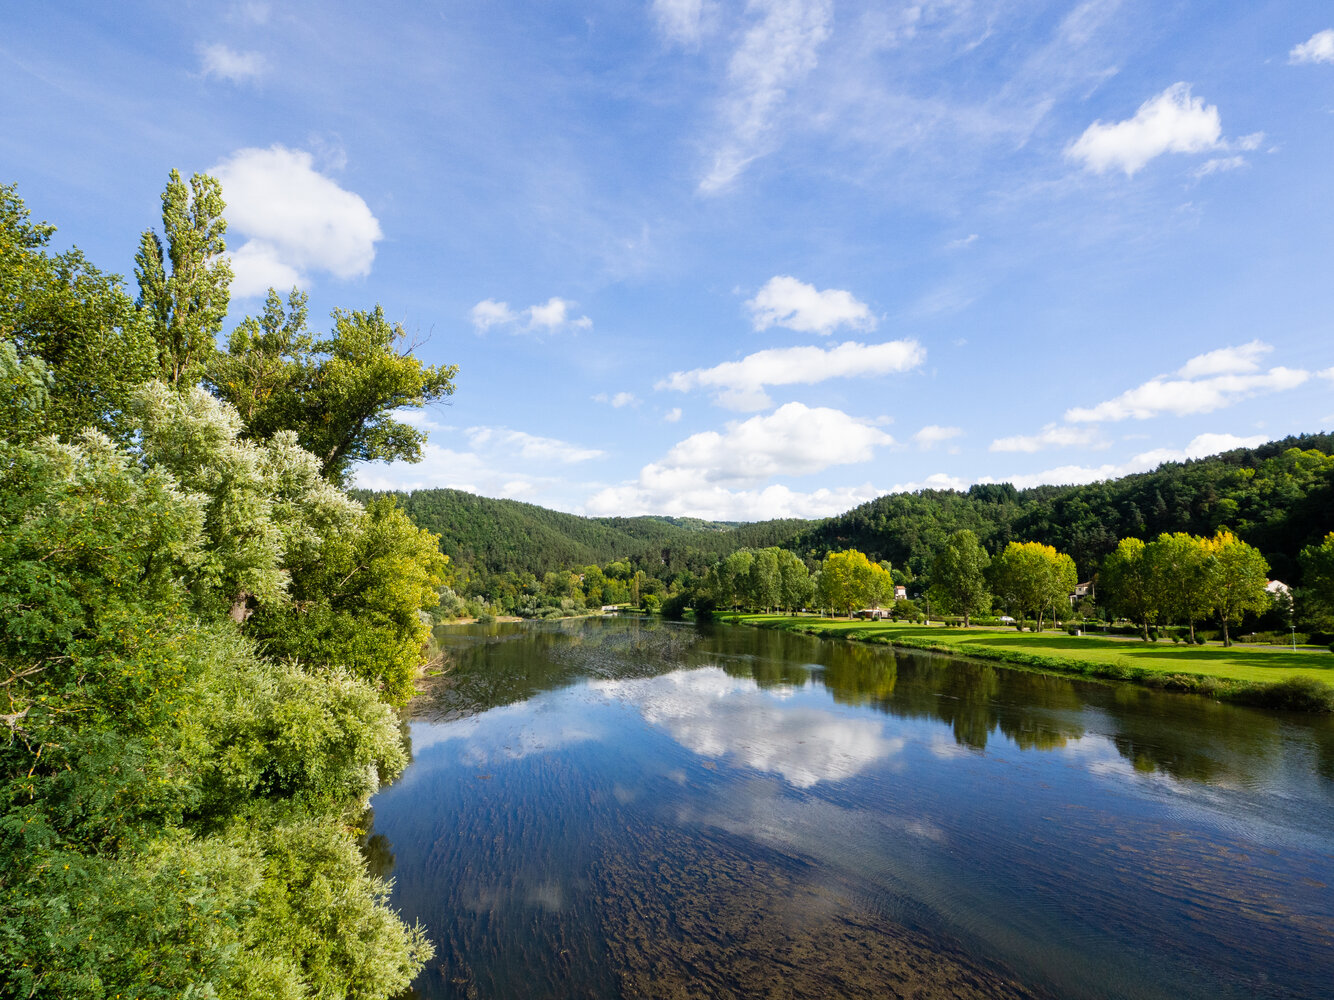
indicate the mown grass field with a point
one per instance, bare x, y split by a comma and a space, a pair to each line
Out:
1162, 663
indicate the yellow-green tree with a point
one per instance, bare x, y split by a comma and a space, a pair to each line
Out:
1179, 568
1237, 575
849, 580
1031, 578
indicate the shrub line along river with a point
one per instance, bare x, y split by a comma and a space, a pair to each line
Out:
636, 808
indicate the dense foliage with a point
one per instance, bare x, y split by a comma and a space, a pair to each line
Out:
1277, 497
202, 640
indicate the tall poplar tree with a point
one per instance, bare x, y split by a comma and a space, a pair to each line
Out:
184, 284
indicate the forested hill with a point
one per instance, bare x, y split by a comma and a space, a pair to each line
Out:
497, 536
1279, 497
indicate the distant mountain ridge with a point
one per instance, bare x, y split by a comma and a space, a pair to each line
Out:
1278, 496
513, 536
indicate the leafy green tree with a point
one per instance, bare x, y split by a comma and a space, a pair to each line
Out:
1129, 585
849, 580
731, 581
338, 394
1237, 577
958, 576
361, 605
1317, 591
94, 345
184, 286
765, 584
795, 579
1032, 578
1178, 566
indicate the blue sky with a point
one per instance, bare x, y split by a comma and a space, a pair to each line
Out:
739, 260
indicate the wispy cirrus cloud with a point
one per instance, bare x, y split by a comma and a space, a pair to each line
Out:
785, 301
779, 49
552, 316
529, 447
1051, 436
684, 22
933, 434
617, 400
226, 63
740, 385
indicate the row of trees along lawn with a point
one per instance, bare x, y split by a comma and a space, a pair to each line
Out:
1183, 579
1277, 497
202, 636
1175, 579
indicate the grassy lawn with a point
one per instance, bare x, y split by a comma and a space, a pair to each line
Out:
1250, 665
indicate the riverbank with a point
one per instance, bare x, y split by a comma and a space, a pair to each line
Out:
1303, 681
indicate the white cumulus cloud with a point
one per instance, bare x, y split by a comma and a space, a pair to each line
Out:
1319, 48
546, 317
740, 385
720, 473
1071, 475
1226, 360
1171, 122
714, 715
228, 64
295, 221
1181, 397
777, 52
785, 301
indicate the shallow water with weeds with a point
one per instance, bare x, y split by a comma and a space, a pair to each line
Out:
620, 808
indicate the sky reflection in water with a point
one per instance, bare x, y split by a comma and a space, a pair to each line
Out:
609, 808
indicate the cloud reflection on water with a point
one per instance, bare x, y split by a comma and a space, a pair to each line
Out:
715, 715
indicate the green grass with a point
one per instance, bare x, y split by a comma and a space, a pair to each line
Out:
1241, 673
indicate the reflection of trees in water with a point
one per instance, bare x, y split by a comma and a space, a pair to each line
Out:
375, 847
504, 663
1190, 737
1185, 736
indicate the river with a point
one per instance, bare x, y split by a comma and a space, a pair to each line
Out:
631, 808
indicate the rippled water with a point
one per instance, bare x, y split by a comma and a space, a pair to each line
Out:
616, 808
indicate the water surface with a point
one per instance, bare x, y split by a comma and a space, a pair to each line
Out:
621, 808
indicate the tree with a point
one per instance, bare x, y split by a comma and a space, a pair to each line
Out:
1178, 568
186, 304
1317, 591
959, 575
766, 580
338, 394
1237, 575
1032, 577
93, 343
1128, 585
796, 580
849, 580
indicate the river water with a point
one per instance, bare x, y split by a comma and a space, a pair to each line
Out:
625, 808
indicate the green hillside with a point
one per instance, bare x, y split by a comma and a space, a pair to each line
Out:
1279, 497
499, 536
